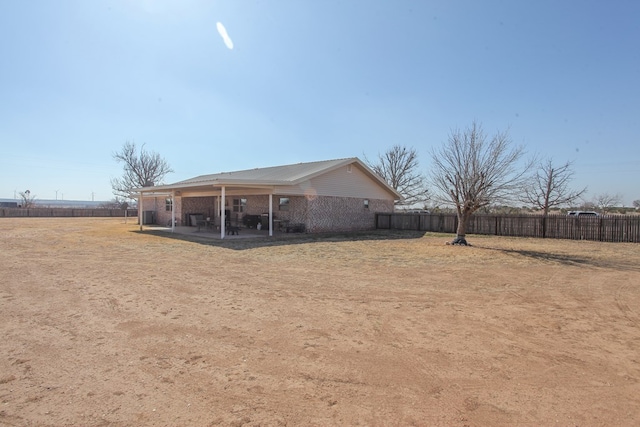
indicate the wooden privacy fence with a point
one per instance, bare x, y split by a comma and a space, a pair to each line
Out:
65, 212
605, 228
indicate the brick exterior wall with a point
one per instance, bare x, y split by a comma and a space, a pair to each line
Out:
257, 205
196, 205
344, 213
159, 206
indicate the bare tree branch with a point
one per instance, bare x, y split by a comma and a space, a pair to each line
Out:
140, 170
398, 166
606, 201
27, 200
549, 187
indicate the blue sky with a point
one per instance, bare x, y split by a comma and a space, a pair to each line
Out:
311, 80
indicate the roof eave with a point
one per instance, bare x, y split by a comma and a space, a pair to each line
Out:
212, 183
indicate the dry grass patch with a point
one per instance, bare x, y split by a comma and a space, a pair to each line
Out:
104, 325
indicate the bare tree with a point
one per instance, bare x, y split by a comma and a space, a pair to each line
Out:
472, 171
27, 200
398, 166
605, 201
636, 204
115, 203
549, 187
142, 169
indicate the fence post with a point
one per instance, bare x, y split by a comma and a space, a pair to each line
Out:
600, 229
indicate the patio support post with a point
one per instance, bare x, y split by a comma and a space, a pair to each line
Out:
270, 214
173, 211
223, 213
140, 210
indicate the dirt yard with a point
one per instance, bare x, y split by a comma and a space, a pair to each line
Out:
105, 326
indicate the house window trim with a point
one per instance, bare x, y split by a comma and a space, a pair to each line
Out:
239, 205
284, 203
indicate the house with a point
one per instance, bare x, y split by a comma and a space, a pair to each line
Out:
331, 195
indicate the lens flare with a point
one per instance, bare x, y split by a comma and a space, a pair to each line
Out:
225, 36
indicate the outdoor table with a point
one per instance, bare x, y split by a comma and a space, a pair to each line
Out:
206, 223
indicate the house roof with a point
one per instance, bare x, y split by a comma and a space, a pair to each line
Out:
270, 176
287, 174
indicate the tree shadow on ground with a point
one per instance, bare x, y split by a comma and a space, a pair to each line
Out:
570, 259
290, 239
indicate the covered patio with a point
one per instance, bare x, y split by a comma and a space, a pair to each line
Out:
219, 222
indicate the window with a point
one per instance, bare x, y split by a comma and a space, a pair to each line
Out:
366, 203
168, 204
239, 205
284, 204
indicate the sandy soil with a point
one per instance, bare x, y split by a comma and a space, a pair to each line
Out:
103, 325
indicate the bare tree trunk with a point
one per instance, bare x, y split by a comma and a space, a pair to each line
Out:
461, 230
